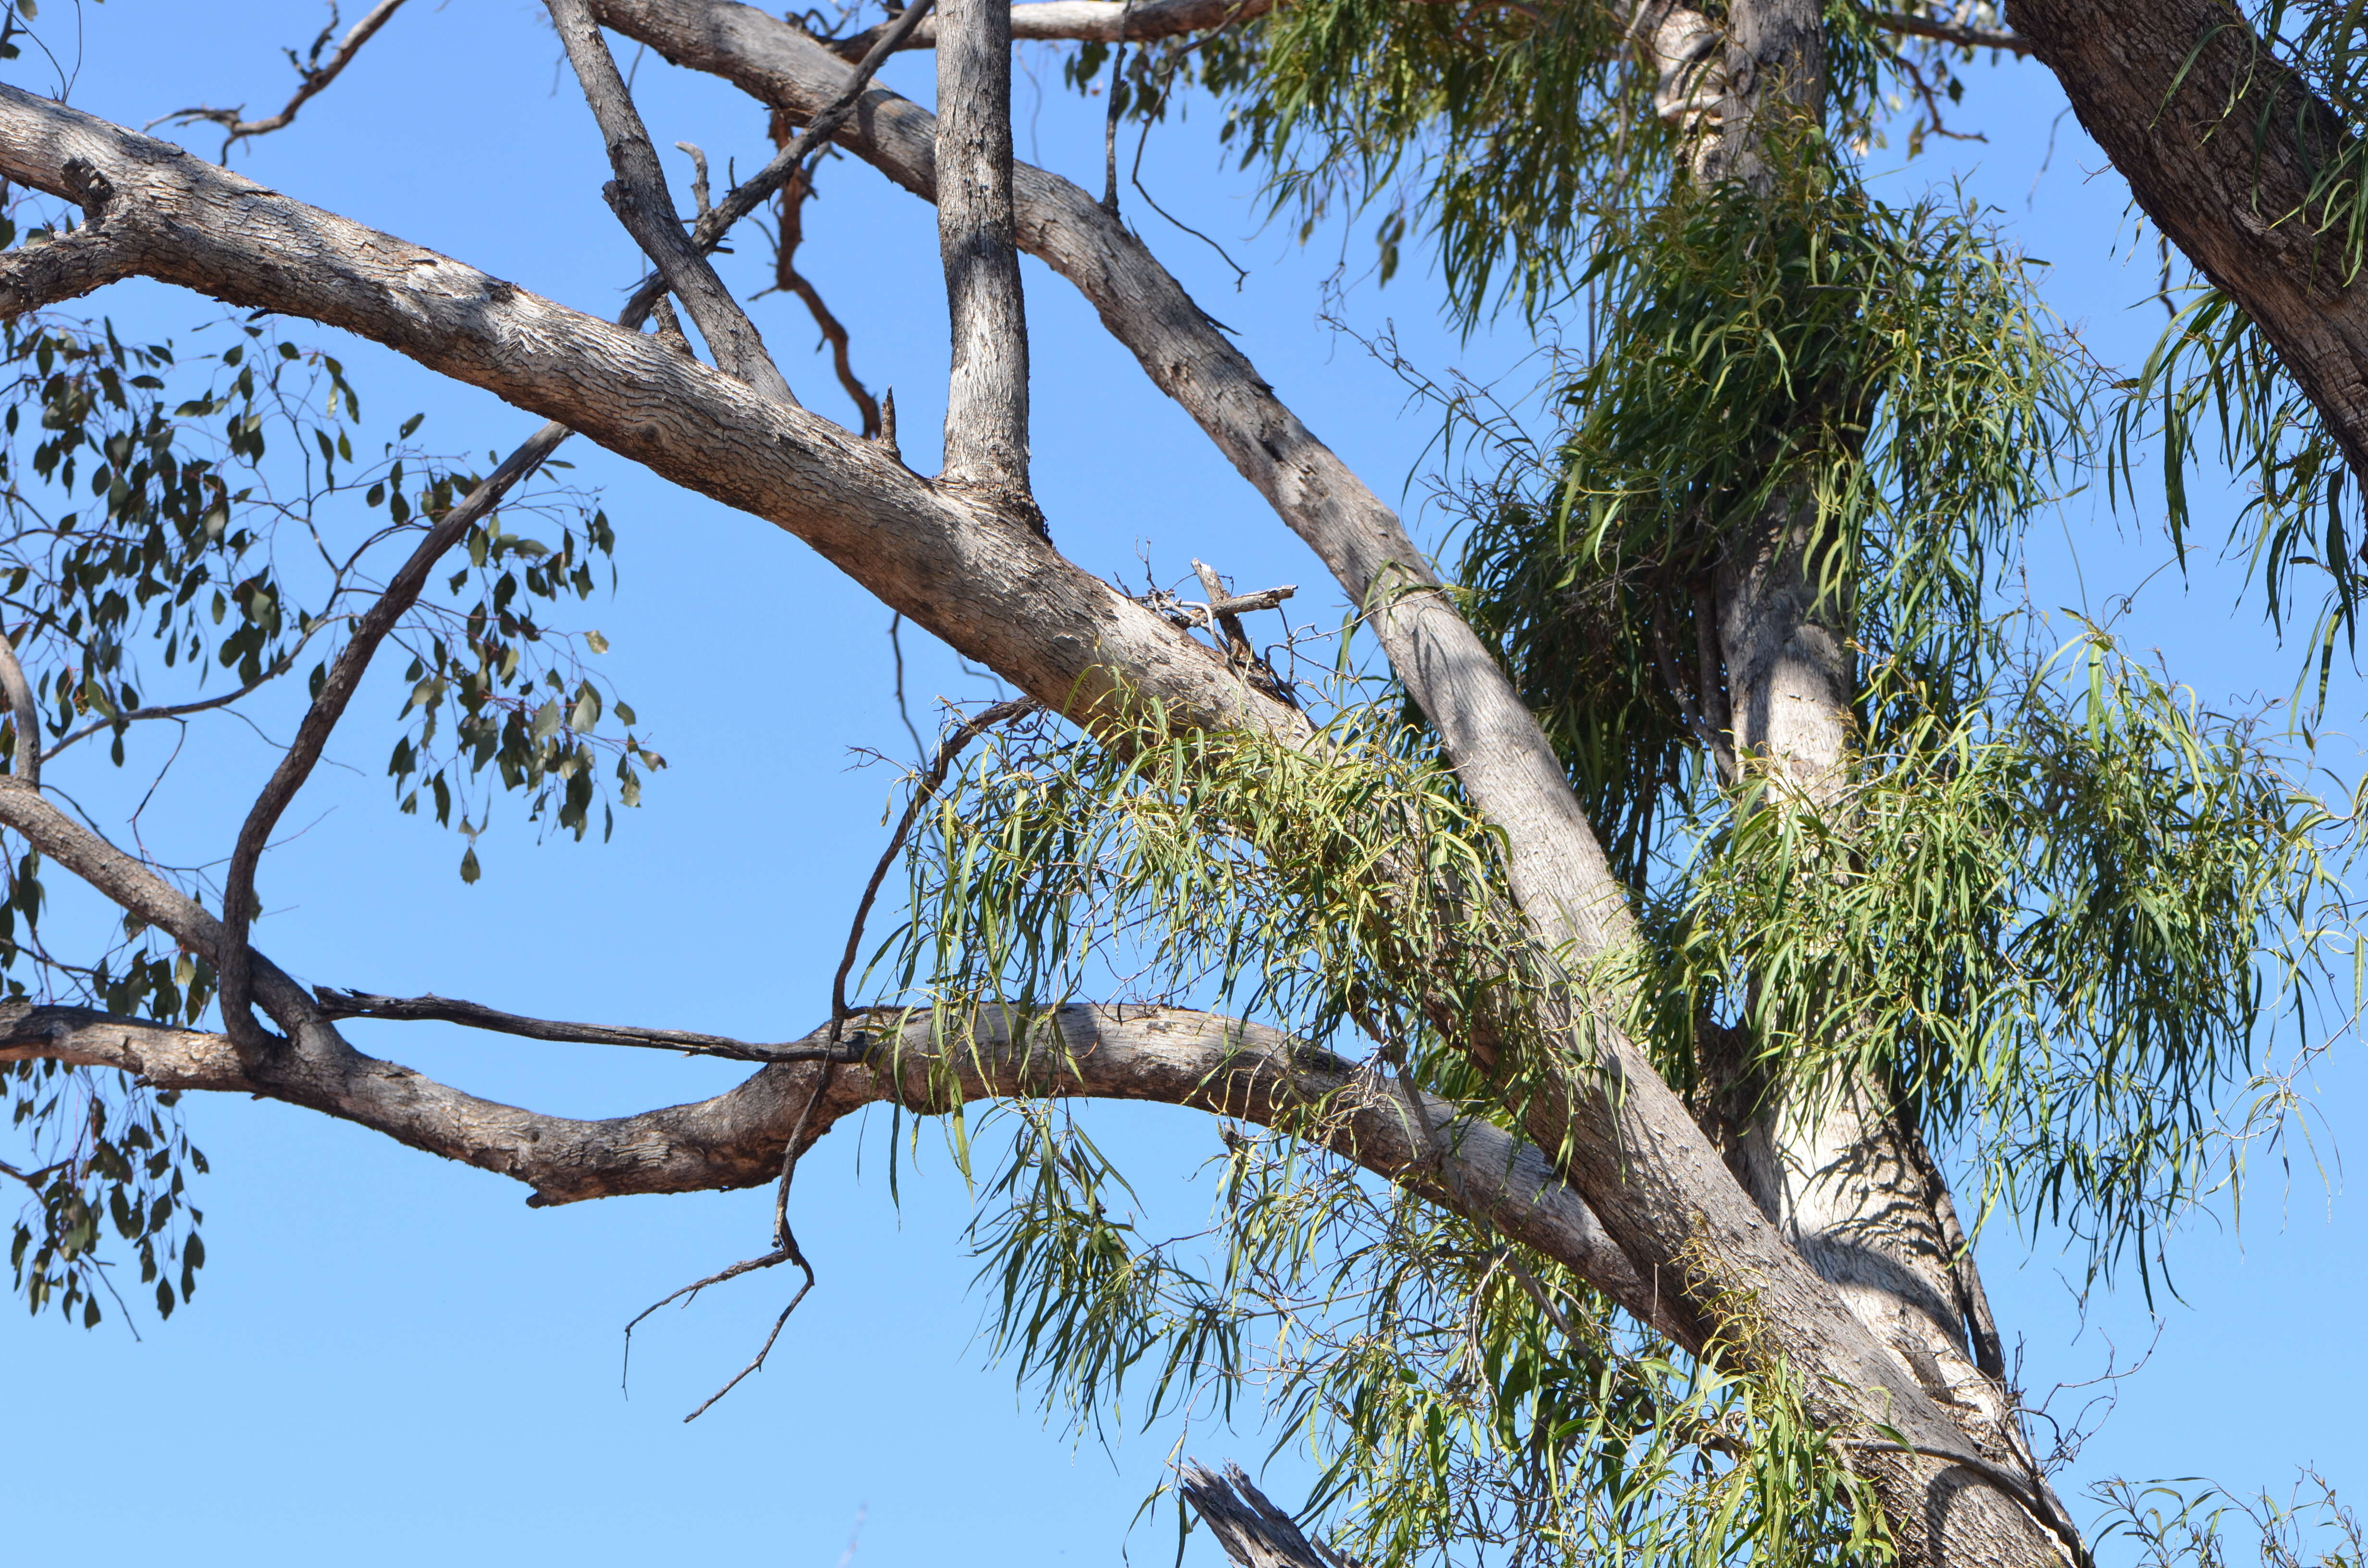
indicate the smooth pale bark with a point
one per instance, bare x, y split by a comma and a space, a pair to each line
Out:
987, 389
1559, 871
1832, 1168
2219, 139
1088, 21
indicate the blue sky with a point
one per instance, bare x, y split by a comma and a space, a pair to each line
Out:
390, 1355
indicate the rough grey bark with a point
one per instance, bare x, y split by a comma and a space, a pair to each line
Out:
65, 268
2220, 142
1253, 1533
987, 390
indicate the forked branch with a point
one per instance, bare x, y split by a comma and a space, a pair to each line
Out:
645, 207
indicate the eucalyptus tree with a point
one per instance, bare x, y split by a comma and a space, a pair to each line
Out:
1615, 1020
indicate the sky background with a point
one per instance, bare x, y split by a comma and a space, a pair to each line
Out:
391, 1358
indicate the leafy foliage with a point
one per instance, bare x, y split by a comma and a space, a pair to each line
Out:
1882, 376
1467, 1402
2057, 927
151, 541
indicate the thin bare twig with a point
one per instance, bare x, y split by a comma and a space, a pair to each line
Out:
313, 75
930, 782
1950, 32
345, 674
340, 1004
795, 192
744, 198
344, 679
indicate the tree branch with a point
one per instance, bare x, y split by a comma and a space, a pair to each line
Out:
2222, 142
645, 207
1157, 1054
313, 76
1087, 21
345, 678
790, 211
24, 711
476, 1015
990, 588
1950, 32
65, 268
987, 390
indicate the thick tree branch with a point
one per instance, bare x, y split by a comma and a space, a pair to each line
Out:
1625, 1139
65, 268
992, 588
999, 593
987, 390
2222, 143
24, 712
1560, 872
645, 207
1165, 1056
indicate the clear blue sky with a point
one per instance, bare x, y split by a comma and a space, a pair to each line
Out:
392, 1358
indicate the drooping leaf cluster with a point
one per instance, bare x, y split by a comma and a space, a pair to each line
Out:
101, 1155
2057, 928
1882, 378
1341, 884
1464, 1401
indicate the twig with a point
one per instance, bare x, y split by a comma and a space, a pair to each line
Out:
930, 782
795, 192
742, 199
313, 77
346, 673
1109, 119
476, 1015
1950, 32
344, 678
785, 1248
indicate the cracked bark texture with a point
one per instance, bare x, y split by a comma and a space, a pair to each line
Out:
987, 390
